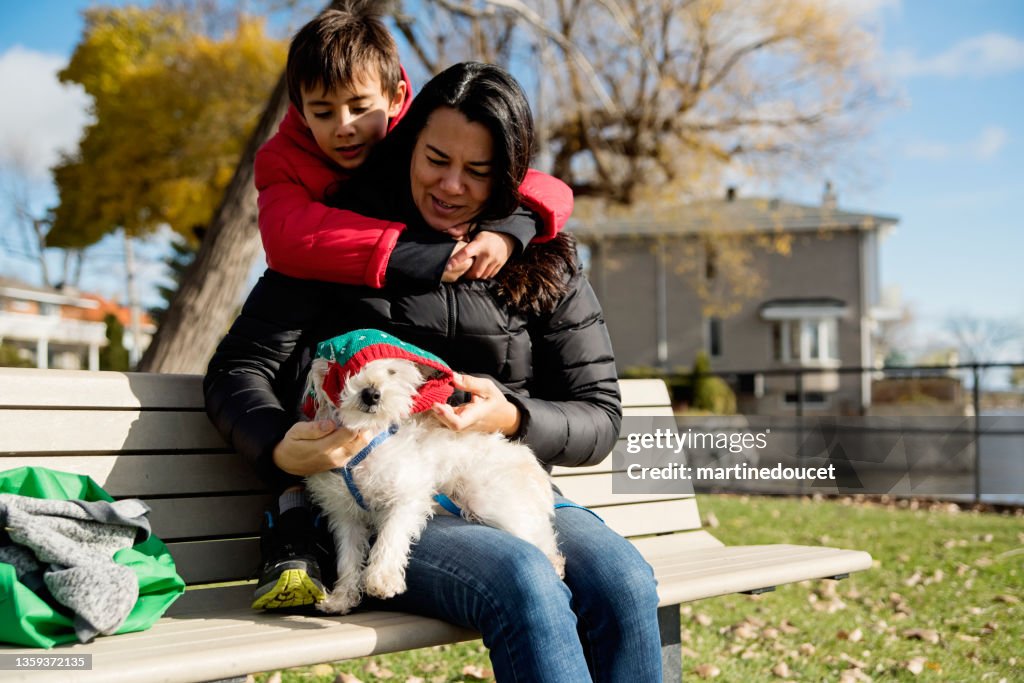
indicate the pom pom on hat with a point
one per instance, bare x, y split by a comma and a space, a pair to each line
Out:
348, 353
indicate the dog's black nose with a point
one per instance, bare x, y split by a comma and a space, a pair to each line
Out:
371, 396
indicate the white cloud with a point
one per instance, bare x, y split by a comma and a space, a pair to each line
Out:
985, 146
989, 54
41, 115
989, 143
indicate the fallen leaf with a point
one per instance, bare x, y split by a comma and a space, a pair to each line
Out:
787, 627
781, 670
913, 580
745, 631
853, 636
926, 634
855, 663
415, 679
770, 633
807, 649
968, 638
702, 619
710, 520
707, 671
375, 670
1008, 599
915, 665
274, 677
477, 672
346, 678
320, 670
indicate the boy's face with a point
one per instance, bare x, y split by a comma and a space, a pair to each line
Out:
349, 120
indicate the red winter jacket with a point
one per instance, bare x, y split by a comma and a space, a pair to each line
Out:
306, 239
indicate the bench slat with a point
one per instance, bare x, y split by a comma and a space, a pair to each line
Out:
126, 476
239, 642
109, 431
174, 518
200, 562
596, 489
697, 574
81, 388
640, 519
644, 392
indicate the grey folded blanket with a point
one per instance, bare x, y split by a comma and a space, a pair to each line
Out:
72, 544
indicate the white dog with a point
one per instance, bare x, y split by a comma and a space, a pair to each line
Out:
391, 490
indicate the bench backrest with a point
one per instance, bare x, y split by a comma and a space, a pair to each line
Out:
147, 436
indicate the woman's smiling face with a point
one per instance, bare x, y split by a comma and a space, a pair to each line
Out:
451, 171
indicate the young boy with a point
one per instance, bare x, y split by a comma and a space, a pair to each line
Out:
338, 113
348, 89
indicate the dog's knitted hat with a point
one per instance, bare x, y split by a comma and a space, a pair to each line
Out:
346, 354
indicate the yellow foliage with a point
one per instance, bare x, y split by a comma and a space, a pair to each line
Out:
173, 109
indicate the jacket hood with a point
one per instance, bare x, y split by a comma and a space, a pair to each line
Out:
293, 126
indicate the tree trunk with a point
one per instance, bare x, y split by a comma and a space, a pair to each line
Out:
212, 286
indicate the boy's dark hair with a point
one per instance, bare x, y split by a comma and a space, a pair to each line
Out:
484, 94
337, 48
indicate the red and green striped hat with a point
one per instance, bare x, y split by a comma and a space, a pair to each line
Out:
346, 354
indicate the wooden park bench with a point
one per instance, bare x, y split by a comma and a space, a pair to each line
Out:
147, 436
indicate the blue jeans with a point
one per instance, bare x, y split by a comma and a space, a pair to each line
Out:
600, 624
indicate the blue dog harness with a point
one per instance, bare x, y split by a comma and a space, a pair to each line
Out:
441, 499
346, 471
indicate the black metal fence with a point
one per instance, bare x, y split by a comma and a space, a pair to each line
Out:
974, 387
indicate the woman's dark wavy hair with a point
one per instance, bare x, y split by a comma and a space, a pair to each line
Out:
483, 93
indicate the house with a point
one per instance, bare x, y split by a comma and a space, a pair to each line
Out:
764, 286
60, 328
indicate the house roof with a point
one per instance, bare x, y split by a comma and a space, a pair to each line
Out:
751, 214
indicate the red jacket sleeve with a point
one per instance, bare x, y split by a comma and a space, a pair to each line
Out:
550, 198
306, 239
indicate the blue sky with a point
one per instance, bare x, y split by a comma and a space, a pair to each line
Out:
946, 158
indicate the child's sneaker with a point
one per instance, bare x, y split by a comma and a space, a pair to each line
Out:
290, 576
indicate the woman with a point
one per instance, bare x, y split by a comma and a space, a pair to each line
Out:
543, 371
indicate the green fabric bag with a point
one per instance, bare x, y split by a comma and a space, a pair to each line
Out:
27, 619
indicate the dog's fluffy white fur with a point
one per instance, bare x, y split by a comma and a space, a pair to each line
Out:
494, 481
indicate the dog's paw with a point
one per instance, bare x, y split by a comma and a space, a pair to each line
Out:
384, 583
339, 602
558, 562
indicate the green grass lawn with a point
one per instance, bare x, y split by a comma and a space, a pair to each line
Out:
943, 603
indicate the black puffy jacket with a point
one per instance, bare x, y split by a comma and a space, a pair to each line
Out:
537, 330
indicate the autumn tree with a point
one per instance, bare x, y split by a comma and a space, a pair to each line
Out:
652, 98
173, 109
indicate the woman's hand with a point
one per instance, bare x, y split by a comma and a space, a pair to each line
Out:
312, 447
488, 411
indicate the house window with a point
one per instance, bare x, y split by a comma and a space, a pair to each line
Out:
714, 337
810, 340
811, 398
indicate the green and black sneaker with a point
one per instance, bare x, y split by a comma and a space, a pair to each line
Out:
290, 577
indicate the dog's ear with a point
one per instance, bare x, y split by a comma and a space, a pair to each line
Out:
315, 382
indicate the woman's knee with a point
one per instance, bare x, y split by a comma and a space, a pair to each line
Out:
624, 582
523, 582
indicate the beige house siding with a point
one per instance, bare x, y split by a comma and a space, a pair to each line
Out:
822, 264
